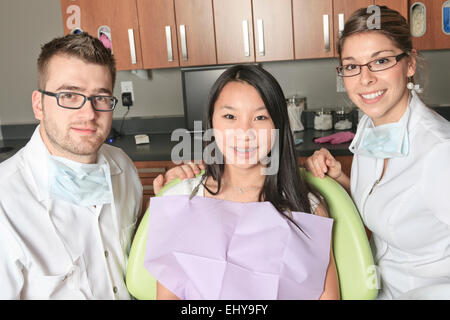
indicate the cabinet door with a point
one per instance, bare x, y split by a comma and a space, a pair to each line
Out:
234, 31
434, 37
195, 27
313, 28
120, 16
398, 5
343, 9
272, 22
158, 33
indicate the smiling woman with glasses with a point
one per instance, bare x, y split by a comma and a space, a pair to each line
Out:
73, 100
400, 177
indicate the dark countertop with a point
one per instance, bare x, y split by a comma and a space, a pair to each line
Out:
160, 146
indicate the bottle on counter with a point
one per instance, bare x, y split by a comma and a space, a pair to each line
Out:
343, 119
295, 107
323, 120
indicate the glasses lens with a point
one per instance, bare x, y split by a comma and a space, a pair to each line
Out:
71, 100
349, 70
105, 103
383, 63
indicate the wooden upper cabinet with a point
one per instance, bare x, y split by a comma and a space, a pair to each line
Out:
118, 16
313, 29
234, 31
433, 37
397, 5
195, 28
272, 21
158, 32
343, 9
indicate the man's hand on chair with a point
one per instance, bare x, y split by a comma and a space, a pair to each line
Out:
184, 171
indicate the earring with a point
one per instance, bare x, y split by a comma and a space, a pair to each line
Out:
415, 87
410, 85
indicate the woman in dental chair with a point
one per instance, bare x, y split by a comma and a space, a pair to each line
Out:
250, 227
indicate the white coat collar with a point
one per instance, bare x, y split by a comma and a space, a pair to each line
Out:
35, 157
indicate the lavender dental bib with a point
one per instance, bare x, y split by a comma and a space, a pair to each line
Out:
206, 248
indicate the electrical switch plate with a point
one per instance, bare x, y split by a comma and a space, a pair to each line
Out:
127, 86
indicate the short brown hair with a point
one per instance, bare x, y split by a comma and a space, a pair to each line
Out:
82, 46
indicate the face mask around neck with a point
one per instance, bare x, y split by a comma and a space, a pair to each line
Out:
78, 183
385, 141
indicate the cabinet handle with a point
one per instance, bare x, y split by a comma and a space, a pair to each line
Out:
246, 41
183, 42
132, 46
341, 18
326, 32
261, 37
169, 44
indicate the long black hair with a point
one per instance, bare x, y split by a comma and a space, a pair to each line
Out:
285, 189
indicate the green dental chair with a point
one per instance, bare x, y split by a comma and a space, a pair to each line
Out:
352, 253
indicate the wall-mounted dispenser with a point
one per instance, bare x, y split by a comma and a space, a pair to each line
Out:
104, 34
418, 15
446, 17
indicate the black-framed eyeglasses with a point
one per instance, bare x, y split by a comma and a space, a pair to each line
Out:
73, 100
379, 64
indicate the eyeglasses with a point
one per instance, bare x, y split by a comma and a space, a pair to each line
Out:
380, 64
73, 100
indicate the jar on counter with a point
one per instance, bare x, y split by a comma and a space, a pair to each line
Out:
323, 120
343, 119
295, 107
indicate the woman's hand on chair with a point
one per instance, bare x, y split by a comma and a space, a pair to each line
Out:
185, 171
322, 162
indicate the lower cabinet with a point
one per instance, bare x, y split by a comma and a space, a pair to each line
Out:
148, 171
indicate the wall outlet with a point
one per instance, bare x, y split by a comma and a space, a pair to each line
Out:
127, 86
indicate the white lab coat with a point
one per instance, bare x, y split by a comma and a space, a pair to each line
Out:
408, 211
51, 249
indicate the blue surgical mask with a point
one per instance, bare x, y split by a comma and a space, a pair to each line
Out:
78, 183
383, 142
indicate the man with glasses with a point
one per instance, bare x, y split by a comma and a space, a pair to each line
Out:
68, 202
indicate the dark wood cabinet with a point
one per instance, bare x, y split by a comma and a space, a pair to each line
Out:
148, 34
313, 29
118, 16
233, 22
272, 24
158, 31
195, 28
